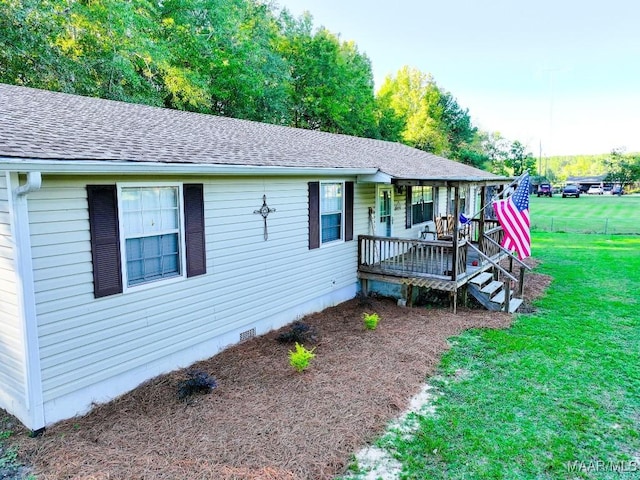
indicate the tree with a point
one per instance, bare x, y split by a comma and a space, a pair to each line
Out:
622, 169
331, 81
390, 124
433, 119
456, 124
519, 160
28, 56
415, 98
496, 147
226, 49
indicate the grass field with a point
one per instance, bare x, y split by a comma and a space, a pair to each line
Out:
608, 214
555, 396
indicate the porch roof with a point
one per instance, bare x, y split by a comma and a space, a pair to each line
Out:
54, 129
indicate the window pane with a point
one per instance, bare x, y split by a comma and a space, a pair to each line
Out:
417, 213
152, 268
135, 263
421, 204
384, 202
416, 195
150, 198
169, 254
149, 210
331, 197
168, 197
331, 227
132, 221
151, 220
169, 218
151, 258
428, 212
131, 201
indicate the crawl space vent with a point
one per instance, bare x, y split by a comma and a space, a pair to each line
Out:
247, 335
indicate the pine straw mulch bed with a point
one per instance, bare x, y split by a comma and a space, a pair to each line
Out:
264, 420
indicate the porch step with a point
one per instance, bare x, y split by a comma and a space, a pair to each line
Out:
499, 297
514, 304
492, 296
492, 288
481, 279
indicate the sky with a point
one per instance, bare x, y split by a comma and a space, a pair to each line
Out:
560, 76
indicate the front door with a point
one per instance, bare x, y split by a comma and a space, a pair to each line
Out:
384, 211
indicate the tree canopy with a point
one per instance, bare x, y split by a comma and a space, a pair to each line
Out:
239, 58
622, 168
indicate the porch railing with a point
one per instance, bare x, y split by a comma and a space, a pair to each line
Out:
492, 247
410, 257
472, 231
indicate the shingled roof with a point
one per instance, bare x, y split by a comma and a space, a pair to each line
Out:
43, 125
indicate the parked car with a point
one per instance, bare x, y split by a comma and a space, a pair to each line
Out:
544, 189
571, 191
617, 190
594, 190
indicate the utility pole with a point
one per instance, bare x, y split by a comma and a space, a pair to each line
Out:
540, 160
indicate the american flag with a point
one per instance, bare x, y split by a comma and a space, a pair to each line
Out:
513, 215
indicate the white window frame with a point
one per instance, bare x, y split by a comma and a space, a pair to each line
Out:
182, 258
342, 214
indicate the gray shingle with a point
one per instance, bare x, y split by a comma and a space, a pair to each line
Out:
40, 124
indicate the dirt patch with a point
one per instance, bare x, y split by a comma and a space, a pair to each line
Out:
264, 420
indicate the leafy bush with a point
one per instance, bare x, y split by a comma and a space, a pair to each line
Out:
197, 381
299, 333
300, 357
371, 320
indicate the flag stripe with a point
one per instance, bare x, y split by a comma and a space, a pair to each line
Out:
513, 215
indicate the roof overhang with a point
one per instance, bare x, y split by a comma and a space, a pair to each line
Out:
106, 167
452, 182
378, 177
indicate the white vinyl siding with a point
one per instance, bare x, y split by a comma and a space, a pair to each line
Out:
85, 341
12, 373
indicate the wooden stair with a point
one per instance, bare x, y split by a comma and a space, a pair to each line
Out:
490, 293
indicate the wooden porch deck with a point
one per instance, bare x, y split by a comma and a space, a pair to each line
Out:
441, 265
424, 263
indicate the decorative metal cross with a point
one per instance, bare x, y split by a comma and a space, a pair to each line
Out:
265, 211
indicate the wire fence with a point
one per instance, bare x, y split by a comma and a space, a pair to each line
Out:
607, 226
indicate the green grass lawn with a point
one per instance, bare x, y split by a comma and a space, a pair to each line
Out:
555, 396
587, 214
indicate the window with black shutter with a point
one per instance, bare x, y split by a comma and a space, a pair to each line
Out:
137, 234
330, 212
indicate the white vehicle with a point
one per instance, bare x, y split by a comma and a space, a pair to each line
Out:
594, 190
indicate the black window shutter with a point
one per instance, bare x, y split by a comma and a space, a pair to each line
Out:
408, 211
348, 211
193, 194
314, 215
105, 239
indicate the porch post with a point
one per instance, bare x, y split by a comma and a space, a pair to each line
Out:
456, 236
483, 194
456, 216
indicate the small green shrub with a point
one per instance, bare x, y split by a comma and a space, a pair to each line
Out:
371, 320
197, 381
300, 357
